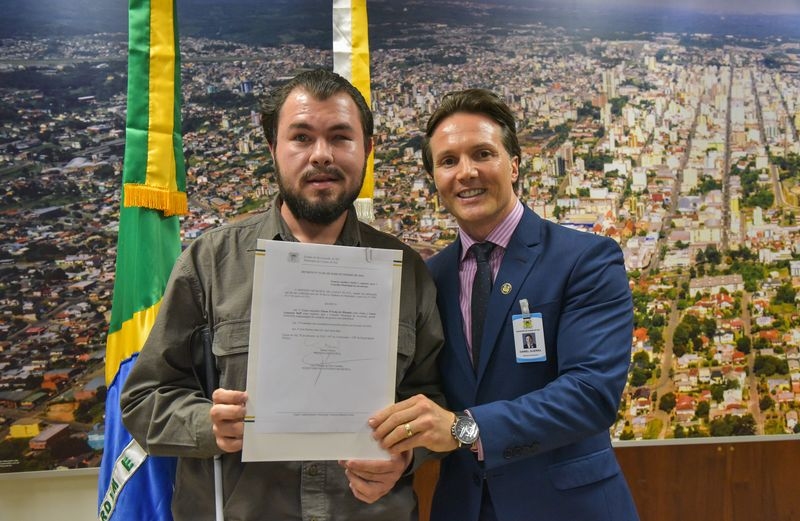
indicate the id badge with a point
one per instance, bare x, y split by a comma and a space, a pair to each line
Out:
529, 337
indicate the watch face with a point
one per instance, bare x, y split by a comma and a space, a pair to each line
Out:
466, 430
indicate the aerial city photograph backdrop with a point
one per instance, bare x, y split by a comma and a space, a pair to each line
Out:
671, 127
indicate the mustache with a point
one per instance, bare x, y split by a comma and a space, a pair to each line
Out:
332, 171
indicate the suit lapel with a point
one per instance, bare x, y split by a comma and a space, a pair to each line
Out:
449, 291
520, 257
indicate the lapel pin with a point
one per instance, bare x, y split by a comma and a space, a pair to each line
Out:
505, 289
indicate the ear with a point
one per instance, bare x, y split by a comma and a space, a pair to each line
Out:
271, 151
367, 147
514, 169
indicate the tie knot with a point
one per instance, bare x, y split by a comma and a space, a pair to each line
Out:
482, 251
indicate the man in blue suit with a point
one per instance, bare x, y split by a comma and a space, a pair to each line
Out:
529, 436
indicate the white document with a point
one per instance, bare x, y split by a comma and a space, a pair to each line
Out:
323, 350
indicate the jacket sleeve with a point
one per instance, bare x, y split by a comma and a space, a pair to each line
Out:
422, 375
593, 344
162, 402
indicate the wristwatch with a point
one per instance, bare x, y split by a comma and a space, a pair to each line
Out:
464, 429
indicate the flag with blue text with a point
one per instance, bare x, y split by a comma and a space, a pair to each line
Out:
132, 485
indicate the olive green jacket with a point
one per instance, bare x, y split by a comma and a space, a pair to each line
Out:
165, 410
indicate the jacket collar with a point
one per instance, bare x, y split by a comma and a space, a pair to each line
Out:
273, 227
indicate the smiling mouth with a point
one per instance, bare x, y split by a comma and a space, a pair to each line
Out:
474, 192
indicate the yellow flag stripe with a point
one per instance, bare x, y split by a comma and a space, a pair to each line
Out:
360, 48
129, 339
161, 110
359, 67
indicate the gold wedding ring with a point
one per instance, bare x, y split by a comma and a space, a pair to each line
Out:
409, 432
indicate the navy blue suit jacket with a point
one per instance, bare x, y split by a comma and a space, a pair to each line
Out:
543, 425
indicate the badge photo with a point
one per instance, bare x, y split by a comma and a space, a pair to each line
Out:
529, 338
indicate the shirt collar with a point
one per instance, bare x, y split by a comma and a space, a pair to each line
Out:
500, 235
275, 228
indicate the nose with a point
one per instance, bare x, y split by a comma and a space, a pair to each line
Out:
322, 153
467, 169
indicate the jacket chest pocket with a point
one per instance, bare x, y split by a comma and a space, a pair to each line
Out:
230, 347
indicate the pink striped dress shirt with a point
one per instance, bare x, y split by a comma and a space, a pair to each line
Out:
500, 236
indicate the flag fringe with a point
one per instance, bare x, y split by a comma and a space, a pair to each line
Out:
365, 209
169, 202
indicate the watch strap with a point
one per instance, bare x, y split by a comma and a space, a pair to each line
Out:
453, 429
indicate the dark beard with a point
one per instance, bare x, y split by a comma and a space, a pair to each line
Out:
323, 212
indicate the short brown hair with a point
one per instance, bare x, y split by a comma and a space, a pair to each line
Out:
321, 84
473, 101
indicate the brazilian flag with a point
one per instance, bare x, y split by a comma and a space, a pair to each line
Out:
132, 485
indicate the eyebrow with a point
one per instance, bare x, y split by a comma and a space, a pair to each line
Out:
478, 146
339, 126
